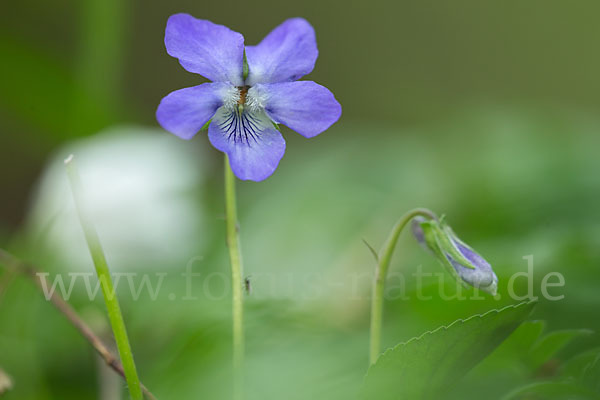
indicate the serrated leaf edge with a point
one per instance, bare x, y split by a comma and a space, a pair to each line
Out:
446, 327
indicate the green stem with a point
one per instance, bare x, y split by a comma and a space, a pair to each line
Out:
110, 298
233, 243
385, 256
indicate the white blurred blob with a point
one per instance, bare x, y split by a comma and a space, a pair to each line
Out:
141, 189
5, 382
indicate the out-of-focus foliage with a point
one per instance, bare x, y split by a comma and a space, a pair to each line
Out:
301, 232
483, 111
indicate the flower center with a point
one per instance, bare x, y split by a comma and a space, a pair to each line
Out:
243, 119
244, 99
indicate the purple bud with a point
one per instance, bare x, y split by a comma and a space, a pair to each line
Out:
464, 262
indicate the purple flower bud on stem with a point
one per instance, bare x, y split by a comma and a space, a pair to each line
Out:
459, 258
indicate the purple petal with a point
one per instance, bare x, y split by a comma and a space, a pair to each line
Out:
417, 231
213, 51
482, 276
184, 112
286, 54
479, 277
306, 107
253, 145
476, 259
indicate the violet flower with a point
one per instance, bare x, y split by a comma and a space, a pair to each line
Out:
459, 258
253, 88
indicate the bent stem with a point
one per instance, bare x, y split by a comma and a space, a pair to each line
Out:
383, 263
112, 303
235, 257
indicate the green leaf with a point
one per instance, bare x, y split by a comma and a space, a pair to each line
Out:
512, 354
575, 367
420, 368
552, 343
552, 391
591, 375
524, 337
529, 345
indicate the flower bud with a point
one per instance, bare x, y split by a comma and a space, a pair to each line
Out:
460, 260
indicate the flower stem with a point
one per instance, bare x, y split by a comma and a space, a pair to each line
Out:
383, 263
233, 243
112, 303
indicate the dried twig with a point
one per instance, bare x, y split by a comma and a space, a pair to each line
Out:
16, 265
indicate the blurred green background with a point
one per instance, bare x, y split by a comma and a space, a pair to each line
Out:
484, 111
